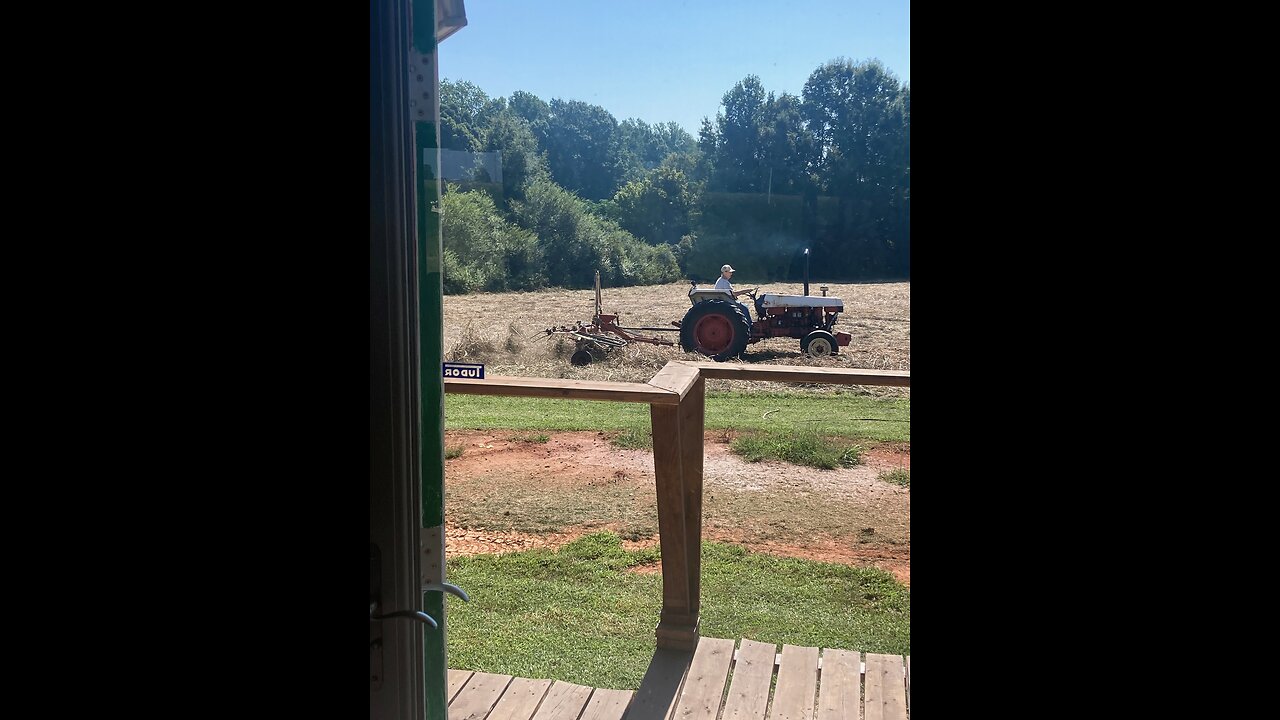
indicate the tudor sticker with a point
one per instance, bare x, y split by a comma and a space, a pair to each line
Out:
469, 371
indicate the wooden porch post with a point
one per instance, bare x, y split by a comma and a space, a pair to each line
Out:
691, 451
677, 465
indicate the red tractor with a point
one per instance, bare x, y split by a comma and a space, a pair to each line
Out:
721, 328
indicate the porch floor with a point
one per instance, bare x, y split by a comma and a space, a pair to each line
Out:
811, 685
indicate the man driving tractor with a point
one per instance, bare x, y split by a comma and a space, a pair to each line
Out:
724, 283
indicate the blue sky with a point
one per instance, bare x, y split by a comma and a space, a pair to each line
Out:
667, 59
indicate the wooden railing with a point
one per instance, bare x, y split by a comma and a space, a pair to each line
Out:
676, 398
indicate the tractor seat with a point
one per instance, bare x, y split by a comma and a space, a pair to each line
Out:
699, 294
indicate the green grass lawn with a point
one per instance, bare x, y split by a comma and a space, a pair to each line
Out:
577, 615
837, 414
798, 447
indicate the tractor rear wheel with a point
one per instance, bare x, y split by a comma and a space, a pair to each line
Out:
716, 328
819, 343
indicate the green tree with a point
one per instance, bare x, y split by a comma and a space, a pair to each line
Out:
644, 146
755, 211
460, 104
859, 116
536, 112
659, 207
575, 242
522, 161
738, 135
786, 146
583, 149
901, 239
671, 138
759, 143
465, 112
706, 155
483, 251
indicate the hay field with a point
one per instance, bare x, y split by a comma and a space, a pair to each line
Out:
505, 332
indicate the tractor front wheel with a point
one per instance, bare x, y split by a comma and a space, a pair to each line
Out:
716, 328
819, 343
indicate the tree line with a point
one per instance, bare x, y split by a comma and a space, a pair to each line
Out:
578, 191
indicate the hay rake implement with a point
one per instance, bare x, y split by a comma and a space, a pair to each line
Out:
603, 334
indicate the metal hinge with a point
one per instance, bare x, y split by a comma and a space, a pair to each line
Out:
422, 86
431, 544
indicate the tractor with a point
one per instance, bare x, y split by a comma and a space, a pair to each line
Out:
720, 327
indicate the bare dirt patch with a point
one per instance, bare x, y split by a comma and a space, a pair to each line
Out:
506, 494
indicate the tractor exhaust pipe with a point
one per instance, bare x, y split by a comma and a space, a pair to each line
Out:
806, 272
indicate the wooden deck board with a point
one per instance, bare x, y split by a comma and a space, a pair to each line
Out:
797, 684
908, 685
607, 704
840, 689
684, 686
564, 701
886, 690
660, 688
457, 678
704, 685
478, 696
520, 700
752, 677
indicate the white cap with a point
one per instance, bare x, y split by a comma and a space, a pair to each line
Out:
726, 268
